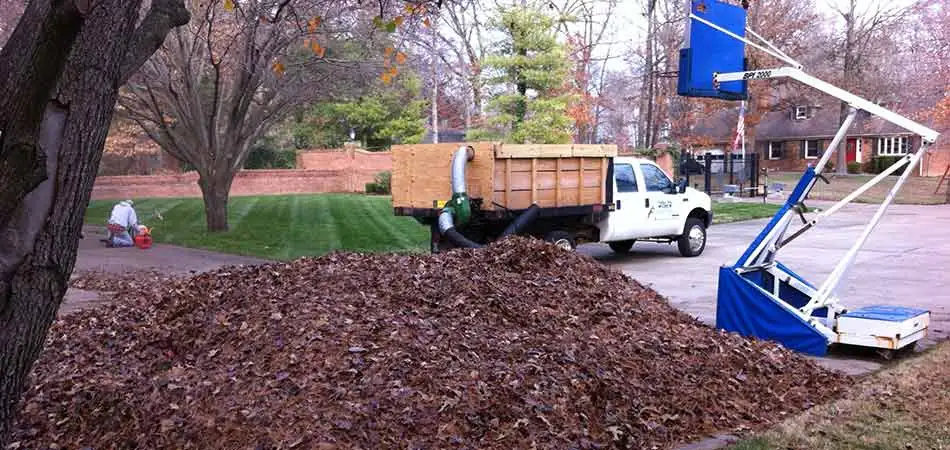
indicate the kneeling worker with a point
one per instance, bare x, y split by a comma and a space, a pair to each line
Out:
121, 223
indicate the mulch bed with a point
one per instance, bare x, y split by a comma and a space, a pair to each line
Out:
519, 345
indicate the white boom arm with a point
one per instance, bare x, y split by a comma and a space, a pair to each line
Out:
929, 136
825, 294
772, 239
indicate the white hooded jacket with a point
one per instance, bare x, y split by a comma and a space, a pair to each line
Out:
124, 215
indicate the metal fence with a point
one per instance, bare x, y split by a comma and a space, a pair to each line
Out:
733, 174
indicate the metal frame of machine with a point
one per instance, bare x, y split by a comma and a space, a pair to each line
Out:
759, 296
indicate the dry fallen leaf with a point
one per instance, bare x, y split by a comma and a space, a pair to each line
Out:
492, 348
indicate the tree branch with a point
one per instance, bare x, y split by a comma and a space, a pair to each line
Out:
162, 17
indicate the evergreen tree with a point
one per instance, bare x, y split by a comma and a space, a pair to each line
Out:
391, 113
532, 67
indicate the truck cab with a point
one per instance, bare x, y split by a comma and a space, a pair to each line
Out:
648, 205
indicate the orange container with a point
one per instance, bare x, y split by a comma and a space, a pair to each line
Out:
144, 239
143, 242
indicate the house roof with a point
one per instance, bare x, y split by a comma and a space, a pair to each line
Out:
821, 123
720, 126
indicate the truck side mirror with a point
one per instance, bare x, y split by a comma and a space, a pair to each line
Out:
681, 186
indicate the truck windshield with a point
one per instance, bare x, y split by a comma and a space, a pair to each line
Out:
626, 179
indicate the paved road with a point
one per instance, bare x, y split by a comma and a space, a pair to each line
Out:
906, 262
95, 256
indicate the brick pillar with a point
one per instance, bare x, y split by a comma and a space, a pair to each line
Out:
665, 161
350, 169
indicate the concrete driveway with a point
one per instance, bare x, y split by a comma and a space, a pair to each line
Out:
905, 262
93, 255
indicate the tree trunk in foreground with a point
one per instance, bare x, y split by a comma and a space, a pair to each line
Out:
41, 237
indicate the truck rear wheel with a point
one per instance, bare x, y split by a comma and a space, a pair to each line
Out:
621, 246
563, 239
693, 241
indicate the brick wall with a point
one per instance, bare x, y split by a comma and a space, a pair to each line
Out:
937, 159
247, 182
345, 170
343, 159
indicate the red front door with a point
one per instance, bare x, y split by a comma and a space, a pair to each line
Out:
852, 153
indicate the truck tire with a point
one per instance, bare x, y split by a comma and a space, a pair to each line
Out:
562, 239
621, 246
693, 241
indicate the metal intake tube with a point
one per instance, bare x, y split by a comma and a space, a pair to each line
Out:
445, 221
462, 156
459, 205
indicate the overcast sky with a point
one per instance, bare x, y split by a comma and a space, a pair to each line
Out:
629, 24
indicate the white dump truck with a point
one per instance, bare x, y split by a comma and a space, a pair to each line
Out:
475, 193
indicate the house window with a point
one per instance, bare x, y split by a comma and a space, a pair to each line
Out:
801, 112
811, 149
893, 146
775, 150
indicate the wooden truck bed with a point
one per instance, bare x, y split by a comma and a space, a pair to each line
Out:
503, 176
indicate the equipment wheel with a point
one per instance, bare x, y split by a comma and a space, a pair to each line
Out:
562, 239
693, 241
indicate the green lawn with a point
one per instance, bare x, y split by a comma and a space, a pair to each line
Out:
291, 226
734, 212
280, 227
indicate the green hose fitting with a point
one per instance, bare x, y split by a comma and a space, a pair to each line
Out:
460, 207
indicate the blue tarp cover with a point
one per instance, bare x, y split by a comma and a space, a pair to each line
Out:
885, 312
741, 307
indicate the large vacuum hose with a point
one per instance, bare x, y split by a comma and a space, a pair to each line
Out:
459, 202
459, 205
448, 230
462, 156
521, 221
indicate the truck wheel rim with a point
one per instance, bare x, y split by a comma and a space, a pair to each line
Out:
696, 239
563, 243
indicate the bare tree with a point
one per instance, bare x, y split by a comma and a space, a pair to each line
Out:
460, 46
648, 97
863, 30
218, 84
619, 103
61, 71
586, 23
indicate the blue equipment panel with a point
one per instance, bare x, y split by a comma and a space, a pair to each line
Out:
885, 312
743, 308
708, 50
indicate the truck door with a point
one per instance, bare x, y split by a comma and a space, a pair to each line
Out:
662, 201
628, 220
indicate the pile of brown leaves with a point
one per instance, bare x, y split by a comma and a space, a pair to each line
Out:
94, 280
515, 346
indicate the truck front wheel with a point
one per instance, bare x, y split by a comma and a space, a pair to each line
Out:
562, 239
693, 241
621, 246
